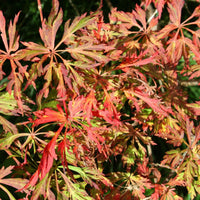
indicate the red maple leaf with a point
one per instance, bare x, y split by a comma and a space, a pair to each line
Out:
109, 112
48, 115
46, 161
179, 44
12, 54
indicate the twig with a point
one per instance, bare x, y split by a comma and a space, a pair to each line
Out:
109, 4
74, 7
149, 150
187, 83
152, 16
152, 13
40, 10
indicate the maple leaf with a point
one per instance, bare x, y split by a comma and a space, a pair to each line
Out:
75, 192
137, 19
50, 27
143, 169
43, 188
171, 195
46, 162
18, 71
61, 85
178, 43
140, 15
87, 54
8, 104
8, 126
173, 157
159, 189
48, 115
17, 183
48, 50
87, 51
195, 107
71, 77
78, 23
48, 156
75, 108
89, 175
160, 5
110, 113
61, 149
194, 72
90, 106
154, 103
137, 184
47, 33
127, 18
134, 60
94, 136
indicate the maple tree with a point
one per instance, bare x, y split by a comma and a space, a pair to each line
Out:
105, 94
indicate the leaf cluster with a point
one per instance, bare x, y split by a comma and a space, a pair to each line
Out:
103, 90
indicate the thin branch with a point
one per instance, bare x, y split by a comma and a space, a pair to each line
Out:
109, 4
187, 83
152, 16
40, 10
74, 7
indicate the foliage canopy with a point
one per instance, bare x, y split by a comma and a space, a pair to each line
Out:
105, 93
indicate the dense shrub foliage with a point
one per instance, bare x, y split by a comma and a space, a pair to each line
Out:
101, 112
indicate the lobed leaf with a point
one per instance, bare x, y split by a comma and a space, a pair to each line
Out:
78, 23
50, 28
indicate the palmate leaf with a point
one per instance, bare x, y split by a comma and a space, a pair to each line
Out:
174, 9
8, 126
18, 71
74, 191
13, 38
89, 175
42, 188
16, 183
65, 74
32, 50
194, 72
8, 104
135, 19
109, 113
90, 106
74, 114
178, 43
48, 115
72, 78
78, 23
6, 142
128, 19
131, 186
47, 34
155, 103
195, 107
94, 137
88, 50
136, 61
96, 76
50, 28
49, 155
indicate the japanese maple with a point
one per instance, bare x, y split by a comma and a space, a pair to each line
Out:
106, 94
